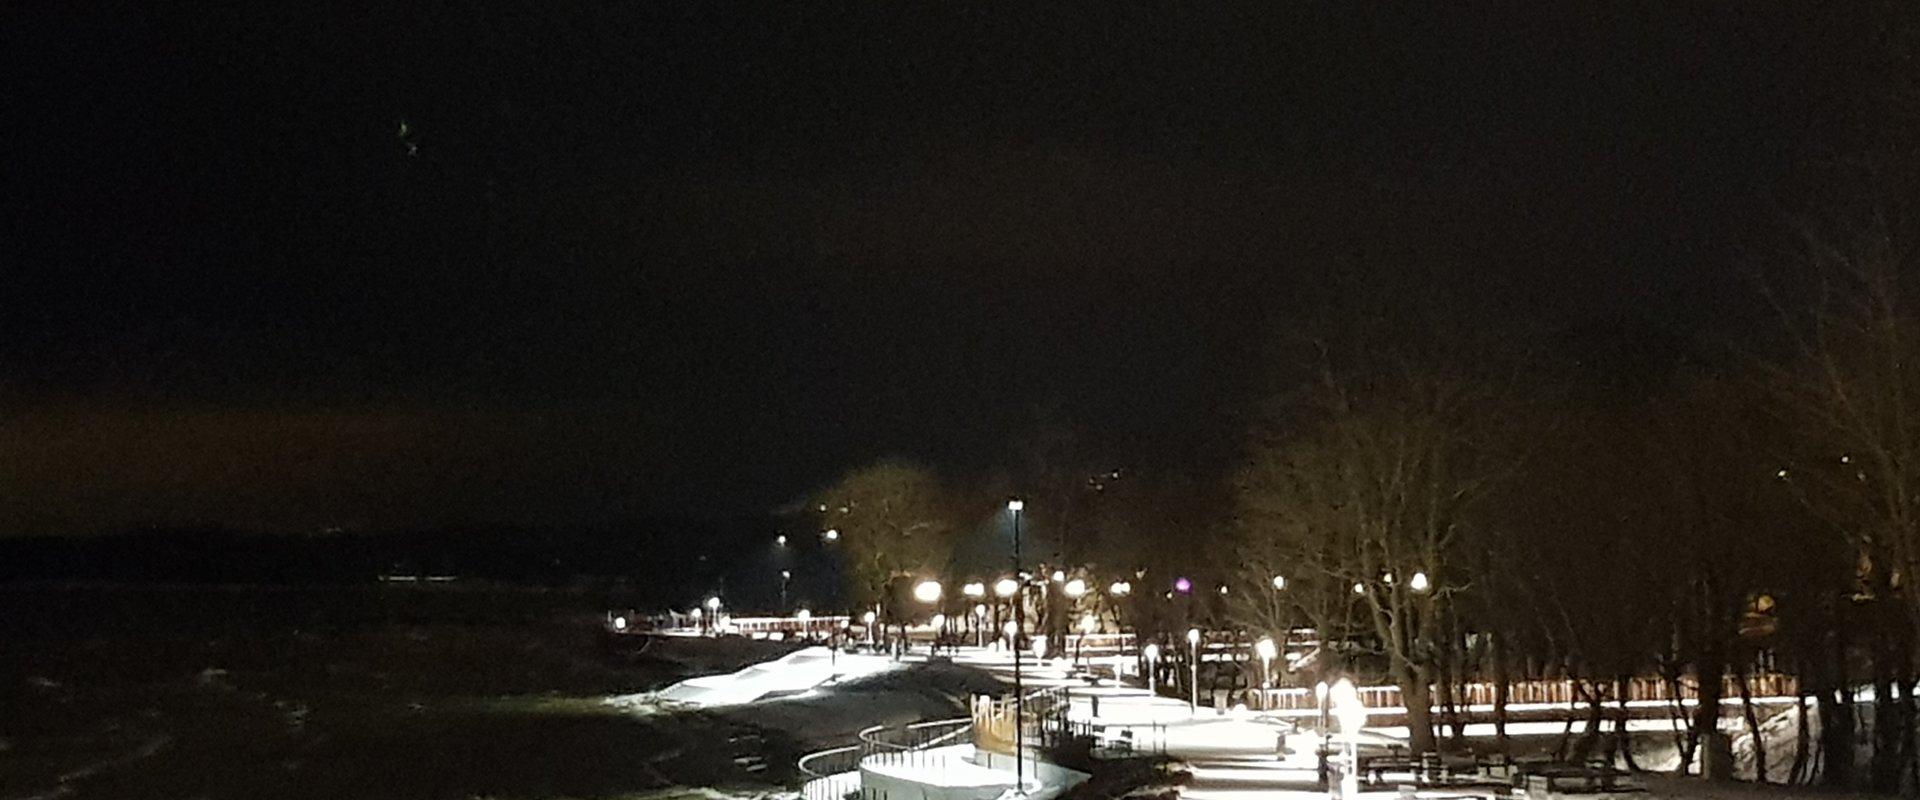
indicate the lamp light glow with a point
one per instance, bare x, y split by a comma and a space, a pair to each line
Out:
927, 591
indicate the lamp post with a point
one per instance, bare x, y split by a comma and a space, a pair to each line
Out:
1014, 507
1003, 589
713, 613
1266, 649
785, 576
1074, 589
1152, 652
974, 590
1193, 646
1352, 713
928, 592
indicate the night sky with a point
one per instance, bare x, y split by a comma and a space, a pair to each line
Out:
293, 266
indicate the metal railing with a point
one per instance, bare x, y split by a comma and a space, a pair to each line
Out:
834, 773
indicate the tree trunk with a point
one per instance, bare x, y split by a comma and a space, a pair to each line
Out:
1709, 673
1753, 728
1416, 694
1502, 687
1623, 741
1836, 717
1802, 741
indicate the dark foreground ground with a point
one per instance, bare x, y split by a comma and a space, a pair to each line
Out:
364, 692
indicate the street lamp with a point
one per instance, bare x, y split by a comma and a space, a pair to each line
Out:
831, 534
1279, 582
868, 618
1352, 713
1152, 652
1014, 507
1419, 582
785, 575
1120, 589
1193, 645
927, 591
1267, 651
1075, 588
780, 541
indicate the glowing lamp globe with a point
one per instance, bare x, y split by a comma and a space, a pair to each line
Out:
1076, 587
1182, 585
927, 591
1006, 587
1266, 649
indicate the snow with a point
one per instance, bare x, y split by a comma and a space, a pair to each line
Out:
793, 674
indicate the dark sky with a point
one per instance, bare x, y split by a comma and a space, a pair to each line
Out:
639, 257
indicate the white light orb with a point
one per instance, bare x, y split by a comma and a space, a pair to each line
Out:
619, 623
1418, 582
713, 603
1076, 588
1266, 648
1016, 506
803, 615
1152, 652
927, 591
1006, 587
1193, 636
1279, 582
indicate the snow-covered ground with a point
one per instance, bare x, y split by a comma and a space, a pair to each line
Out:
1232, 755
794, 674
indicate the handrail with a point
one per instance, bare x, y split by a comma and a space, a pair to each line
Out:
807, 762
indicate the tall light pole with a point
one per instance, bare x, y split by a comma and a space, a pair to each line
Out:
1352, 713
1193, 644
1014, 507
1074, 589
1267, 650
1152, 652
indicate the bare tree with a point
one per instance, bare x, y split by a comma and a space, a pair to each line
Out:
1361, 489
894, 519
